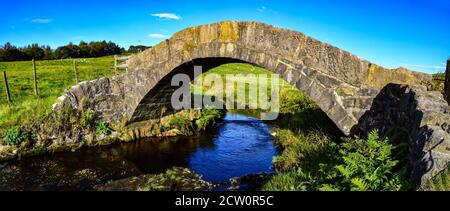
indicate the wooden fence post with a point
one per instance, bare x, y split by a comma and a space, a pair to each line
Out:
75, 69
8, 96
35, 79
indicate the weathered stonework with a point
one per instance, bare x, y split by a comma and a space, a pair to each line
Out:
348, 89
419, 116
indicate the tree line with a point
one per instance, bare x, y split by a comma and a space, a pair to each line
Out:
9, 52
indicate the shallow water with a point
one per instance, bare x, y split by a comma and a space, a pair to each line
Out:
238, 146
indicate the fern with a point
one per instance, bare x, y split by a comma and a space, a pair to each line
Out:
368, 164
359, 184
102, 128
358, 165
15, 136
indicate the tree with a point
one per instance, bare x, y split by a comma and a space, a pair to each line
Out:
34, 52
112, 49
11, 53
84, 50
62, 53
2, 54
48, 53
97, 49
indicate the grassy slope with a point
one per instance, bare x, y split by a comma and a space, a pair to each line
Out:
245, 70
53, 76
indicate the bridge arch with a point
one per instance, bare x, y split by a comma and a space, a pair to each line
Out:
342, 84
322, 92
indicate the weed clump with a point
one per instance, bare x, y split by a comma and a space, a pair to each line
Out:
15, 136
102, 128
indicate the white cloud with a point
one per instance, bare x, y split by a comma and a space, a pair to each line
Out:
42, 20
262, 9
158, 36
433, 68
167, 16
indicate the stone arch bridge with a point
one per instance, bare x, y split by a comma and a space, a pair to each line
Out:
357, 95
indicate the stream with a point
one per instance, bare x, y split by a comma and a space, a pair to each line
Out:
238, 146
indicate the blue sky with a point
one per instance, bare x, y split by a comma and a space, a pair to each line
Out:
392, 33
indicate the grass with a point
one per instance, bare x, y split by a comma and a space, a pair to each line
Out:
441, 182
242, 73
53, 76
437, 84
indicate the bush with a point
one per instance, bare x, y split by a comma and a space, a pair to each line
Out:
15, 136
208, 118
293, 101
102, 128
181, 122
297, 110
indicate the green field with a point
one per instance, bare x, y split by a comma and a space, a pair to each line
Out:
53, 76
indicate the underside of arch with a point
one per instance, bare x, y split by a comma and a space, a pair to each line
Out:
322, 89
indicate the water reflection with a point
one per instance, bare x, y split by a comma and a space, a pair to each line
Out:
242, 146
